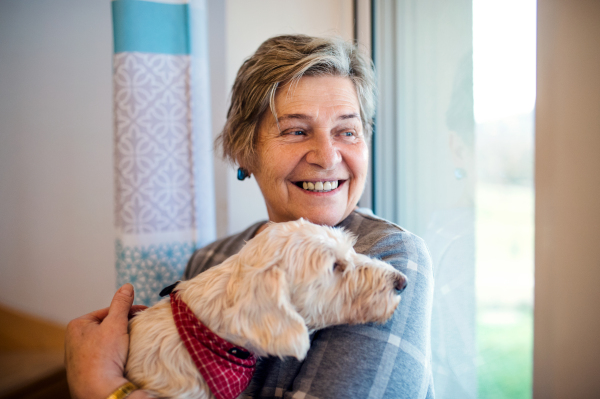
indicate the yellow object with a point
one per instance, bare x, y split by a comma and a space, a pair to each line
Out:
123, 391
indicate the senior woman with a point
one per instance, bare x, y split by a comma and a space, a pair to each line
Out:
300, 117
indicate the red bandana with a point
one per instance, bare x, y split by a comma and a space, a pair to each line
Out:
226, 374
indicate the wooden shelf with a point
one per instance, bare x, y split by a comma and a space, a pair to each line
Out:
31, 357
33, 374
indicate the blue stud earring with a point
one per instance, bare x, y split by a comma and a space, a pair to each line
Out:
242, 174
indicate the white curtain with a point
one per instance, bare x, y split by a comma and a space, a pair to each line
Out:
164, 203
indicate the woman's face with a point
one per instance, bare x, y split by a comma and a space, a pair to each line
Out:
314, 164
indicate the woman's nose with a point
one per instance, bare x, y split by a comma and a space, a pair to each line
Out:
324, 153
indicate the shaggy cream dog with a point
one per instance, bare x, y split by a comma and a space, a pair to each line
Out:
289, 280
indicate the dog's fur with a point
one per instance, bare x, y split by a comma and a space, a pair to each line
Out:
290, 279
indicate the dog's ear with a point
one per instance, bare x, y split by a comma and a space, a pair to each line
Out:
266, 317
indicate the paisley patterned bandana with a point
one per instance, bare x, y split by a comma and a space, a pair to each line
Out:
227, 369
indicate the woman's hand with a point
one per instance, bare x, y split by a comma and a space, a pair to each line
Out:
96, 348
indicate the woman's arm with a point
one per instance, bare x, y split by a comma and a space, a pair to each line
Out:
96, 349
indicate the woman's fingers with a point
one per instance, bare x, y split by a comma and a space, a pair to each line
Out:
120, 306
96, 348
96, 316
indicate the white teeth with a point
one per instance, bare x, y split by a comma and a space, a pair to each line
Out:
320, 186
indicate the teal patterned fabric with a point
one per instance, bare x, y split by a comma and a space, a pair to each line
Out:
150, 268
164, 198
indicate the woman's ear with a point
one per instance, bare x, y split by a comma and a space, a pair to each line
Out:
266, 317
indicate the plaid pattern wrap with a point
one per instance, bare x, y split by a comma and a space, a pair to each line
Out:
226, 375
365, 361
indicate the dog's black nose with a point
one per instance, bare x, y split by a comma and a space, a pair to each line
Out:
400, 284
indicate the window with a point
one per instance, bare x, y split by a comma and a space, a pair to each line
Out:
453, 163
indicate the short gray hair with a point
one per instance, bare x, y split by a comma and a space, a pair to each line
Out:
284, 59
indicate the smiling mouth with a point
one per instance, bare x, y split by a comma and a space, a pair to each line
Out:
320, 186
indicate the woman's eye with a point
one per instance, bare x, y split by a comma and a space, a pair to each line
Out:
292, 132
348, 134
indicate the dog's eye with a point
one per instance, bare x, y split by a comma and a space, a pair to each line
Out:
338, 266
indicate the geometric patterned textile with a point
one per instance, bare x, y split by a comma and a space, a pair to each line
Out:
164, 201
152, 152
150, 268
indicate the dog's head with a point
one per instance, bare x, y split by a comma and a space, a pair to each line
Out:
297, 276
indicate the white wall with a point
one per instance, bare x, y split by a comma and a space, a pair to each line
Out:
56, 182
56, 165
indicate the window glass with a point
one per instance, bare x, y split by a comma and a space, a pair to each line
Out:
504, 47
453, 163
